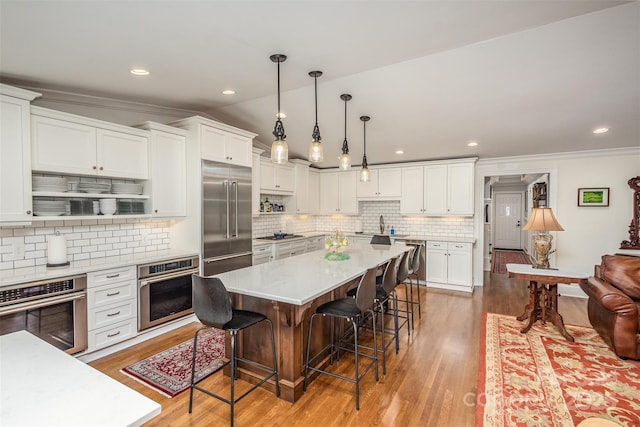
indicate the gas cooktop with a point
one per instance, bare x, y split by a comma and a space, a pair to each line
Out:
279, 237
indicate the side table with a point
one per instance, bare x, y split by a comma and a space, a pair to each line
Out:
543, 294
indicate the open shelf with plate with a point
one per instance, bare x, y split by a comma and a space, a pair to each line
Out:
63, 197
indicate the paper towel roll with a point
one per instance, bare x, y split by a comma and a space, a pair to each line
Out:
359, 225
56, 250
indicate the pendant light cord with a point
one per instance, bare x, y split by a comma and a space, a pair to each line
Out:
278, 130
345, 145
316, 129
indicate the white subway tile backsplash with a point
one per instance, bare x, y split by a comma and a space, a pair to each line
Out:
86, 239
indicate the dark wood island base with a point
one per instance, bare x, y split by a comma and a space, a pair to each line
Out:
291, 324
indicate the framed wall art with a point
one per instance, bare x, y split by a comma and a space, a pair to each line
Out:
593, 196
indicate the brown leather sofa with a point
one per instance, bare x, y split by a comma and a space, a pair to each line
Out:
614, 303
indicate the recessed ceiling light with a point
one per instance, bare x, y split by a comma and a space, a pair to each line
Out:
228, 92
399, 152
601, 130
139, 72
472, 144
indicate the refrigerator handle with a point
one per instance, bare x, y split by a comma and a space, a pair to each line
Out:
226, 184
235, 234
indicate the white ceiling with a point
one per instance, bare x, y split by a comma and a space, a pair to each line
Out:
519, 77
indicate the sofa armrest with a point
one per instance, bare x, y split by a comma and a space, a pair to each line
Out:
610, 297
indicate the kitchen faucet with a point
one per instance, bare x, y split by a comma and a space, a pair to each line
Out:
381, 224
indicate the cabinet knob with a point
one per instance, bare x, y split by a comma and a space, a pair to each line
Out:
28, 212
155, 210
95, 167
101, 168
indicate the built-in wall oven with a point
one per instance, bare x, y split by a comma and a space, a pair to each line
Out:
164, 291
53, 310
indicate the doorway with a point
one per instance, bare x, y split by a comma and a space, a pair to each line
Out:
508, 210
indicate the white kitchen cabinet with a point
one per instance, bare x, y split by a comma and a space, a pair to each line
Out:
299, 202
217, 141
385, 184
255, 181
282, 250
15, 154
439, 189
168, 183
313, 193
74, 145
262, 254
315, 243
112, 306
449, 265
338, 193
221, 146
276, 179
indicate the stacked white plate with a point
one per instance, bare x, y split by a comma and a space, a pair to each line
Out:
94, 187
50, 207
49, 183
108, 206
126, 188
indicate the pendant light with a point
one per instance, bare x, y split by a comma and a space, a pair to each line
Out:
364, 172
345, 158
279, 148
316, 153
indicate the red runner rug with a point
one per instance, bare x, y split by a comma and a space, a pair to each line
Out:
541, 379
169, 372
502, 257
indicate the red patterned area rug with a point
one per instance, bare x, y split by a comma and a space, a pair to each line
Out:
169, 372
541, 379
502, 257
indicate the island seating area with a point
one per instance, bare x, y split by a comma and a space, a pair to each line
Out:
288, 291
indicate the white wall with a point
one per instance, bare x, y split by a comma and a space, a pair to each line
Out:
590, 232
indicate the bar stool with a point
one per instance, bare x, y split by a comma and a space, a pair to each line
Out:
403, 274
352, 310
414, 271
385, 292
212, 306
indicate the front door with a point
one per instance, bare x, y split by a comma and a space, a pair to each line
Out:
507, 221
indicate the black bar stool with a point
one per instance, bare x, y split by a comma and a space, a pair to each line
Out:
403, 274
352, 310
212, 306
414, 271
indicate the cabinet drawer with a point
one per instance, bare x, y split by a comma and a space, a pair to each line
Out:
263, 249
283, 250
261, 259
298, 247
109, 315
104, 337
102, 295
455, 246
436, 245
113, 275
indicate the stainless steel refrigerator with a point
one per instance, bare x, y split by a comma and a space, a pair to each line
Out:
226, 217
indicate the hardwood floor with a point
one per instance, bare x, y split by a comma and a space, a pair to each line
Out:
430, 382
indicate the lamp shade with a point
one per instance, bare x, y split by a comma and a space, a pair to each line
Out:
542, 219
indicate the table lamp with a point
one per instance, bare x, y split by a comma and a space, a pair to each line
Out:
542, 220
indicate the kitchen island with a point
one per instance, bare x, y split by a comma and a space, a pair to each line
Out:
288, 291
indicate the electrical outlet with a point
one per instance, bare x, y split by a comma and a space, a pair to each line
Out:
18, 250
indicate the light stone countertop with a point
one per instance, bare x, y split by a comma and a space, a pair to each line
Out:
300, 279
34, 274
44, 386
400, 236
